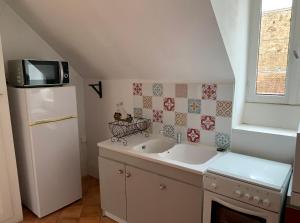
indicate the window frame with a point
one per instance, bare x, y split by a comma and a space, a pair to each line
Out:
292, 94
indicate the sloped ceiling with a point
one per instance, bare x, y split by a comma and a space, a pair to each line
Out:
175, 40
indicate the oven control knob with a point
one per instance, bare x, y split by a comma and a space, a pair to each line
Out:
248, 196
266, 202
214, 185
238, 193
256, 199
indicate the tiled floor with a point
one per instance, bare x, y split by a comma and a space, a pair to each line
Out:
86, 210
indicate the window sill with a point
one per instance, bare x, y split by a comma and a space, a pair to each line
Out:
266, 130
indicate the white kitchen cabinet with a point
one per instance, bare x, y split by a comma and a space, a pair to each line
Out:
149, 196
179, 202
112, 187
142, 196
10, 202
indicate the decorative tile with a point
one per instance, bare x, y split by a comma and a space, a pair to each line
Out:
208, 137
208, 122
222, 140
169, 90
157, 116
181, 90
157, 127
147, 89
209, 91
223, 124
180, 119
157, 89
137, 112
195, 90
169, 130
208, 107
137, 89
181, 105
147, 102
157, 103
147, 113
193, 135
225, 92
224, 108
137, 101
194, 121
194, 106
169, 117
169, 104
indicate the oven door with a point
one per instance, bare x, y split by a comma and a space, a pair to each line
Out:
41, 73
221, 209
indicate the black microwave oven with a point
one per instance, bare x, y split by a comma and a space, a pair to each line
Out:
36, 73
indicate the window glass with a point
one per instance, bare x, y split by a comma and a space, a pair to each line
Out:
273, 47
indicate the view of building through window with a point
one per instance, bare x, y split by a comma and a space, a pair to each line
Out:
273, 48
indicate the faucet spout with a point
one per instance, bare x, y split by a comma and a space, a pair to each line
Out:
179, 137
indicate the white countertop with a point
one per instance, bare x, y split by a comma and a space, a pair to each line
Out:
138, 139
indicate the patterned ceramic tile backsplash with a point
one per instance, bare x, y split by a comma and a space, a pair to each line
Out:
201, 112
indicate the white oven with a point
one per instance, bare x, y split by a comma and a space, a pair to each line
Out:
244, 189
219, 209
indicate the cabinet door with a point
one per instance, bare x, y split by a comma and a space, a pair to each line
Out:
6, 209
112, 187
142, 200
179, 202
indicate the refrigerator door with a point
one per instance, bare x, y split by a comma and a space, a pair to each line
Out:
52, 103
56, 162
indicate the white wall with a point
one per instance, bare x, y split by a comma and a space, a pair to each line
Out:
100, 111
233, 20
137, 39
20, 41
272, 115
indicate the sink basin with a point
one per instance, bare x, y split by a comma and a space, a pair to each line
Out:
190, 154
157, 145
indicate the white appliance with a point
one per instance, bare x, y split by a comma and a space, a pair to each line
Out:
295, 199
45, 129
241, 188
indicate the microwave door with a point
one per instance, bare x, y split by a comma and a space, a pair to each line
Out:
39, 73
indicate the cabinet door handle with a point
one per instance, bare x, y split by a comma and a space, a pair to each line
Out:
128, 175
162, 186
120, 171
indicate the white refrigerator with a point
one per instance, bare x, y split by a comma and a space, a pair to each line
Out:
45, 129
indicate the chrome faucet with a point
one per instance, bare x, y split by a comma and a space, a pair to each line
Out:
178, 136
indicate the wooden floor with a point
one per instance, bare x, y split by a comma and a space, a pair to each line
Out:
86, 210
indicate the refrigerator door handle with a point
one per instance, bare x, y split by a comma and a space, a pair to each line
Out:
45, 121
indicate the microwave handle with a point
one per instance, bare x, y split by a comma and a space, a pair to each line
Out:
61, 72
239, 209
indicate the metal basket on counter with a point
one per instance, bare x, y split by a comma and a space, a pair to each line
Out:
121, 129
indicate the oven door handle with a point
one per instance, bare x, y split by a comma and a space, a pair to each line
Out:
242, 210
